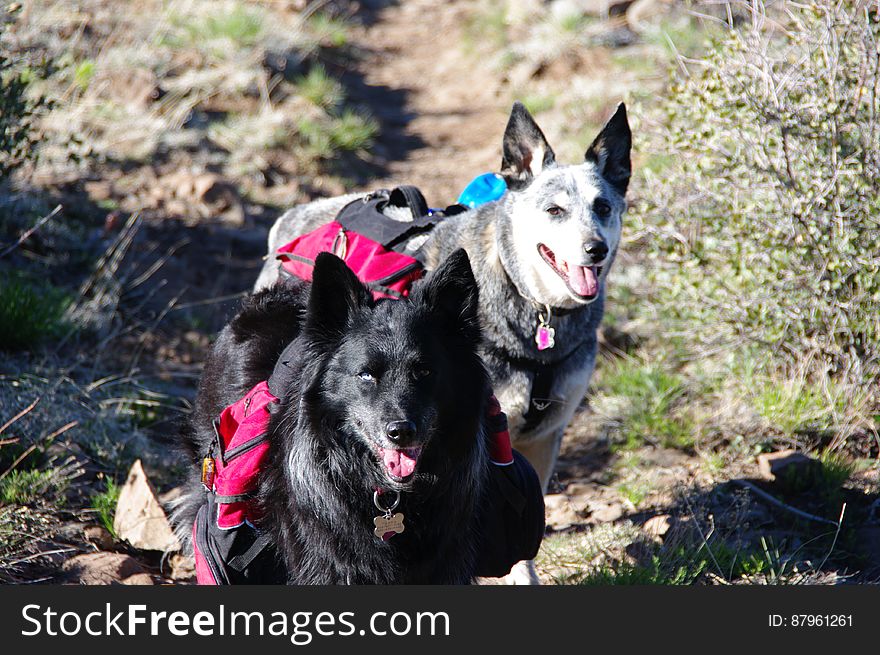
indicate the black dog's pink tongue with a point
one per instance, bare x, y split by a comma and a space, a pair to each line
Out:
400, 463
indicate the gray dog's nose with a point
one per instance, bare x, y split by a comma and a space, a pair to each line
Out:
400, 431
598, 250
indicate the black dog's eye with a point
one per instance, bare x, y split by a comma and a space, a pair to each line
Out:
421, 372
366, 376
601, 207
555, 210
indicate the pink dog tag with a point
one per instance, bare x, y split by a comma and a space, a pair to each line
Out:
545, 337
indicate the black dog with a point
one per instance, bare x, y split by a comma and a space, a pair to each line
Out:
385, 396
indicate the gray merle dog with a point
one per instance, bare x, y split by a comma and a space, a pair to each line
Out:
541, 255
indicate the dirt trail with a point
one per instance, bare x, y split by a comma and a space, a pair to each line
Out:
452, 109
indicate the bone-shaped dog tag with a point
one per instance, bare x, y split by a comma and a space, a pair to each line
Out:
387, 526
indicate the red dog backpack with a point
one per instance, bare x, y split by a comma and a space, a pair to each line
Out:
369, 241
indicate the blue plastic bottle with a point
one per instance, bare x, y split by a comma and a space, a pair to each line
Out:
482, 189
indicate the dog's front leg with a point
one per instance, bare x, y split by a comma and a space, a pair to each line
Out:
541, 454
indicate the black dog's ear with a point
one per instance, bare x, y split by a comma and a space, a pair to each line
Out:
451, 291
335, 295
610, 151
525, 149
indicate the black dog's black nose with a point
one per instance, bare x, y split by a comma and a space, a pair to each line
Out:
400, 431
598, 250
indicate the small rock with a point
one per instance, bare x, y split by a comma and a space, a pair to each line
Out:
559, 512
657, 526
182, 567
104, 569
212, 190
788, 467
98, 536
605, 512
140, 519
99, 190
140, 579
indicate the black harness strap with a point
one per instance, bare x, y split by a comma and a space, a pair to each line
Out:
539, 398
365, 216
542, 383
407, 195
245, 559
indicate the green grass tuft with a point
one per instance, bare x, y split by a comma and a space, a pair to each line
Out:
30, 311
656, 573
352, 131
330, 30
795, 406
241, 26
84, 73
104, 503
837, 468
320, 89
348, 132
645, 395
27, 487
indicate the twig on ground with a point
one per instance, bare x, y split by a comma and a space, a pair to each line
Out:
42, 554
23, 456
19, 415
775, 501
30, 231
836, 534
210, 301
704, 537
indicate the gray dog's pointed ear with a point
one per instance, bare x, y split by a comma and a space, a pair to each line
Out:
335, 295
610, 151
525, 149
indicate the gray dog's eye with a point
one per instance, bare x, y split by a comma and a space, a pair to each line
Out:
601, 207
555, 210
421, 372
366, 376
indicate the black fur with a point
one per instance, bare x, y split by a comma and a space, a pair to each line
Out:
317, 490
610, 150
523, 139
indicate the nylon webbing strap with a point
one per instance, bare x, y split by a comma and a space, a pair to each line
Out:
365, 216
539, 398
241, 562
411, 197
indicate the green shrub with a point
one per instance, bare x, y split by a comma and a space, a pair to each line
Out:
16, 113
769, 210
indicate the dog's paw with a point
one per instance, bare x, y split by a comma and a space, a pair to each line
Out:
522, 573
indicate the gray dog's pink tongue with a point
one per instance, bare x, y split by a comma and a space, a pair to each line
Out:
400, 463
582, 280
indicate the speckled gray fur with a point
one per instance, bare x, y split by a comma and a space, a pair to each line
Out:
501, 240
